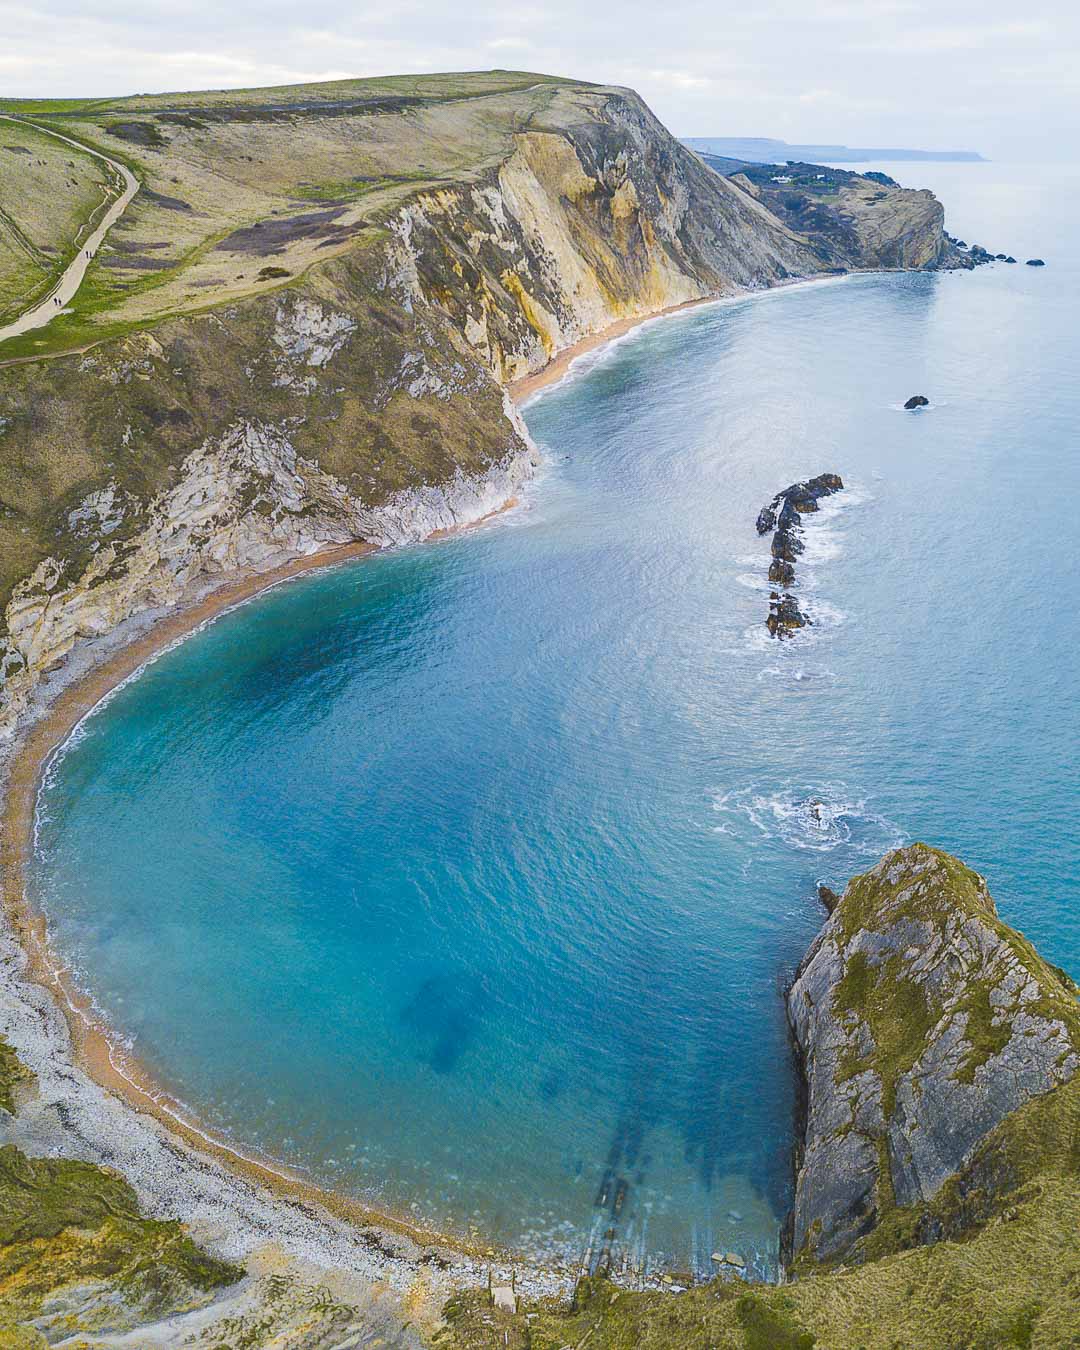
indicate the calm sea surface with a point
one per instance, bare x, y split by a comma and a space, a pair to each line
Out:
459, 876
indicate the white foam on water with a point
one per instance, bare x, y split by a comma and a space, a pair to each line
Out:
798, 671
824, 619
814, 817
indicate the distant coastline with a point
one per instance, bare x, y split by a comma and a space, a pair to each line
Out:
765, 150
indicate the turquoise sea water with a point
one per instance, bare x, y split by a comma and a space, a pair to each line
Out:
459, 876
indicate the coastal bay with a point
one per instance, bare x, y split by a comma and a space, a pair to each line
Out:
762, 819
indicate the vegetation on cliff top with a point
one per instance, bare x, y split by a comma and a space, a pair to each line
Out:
233, 181
51, 196
71, 1225
899, 1011
13, 1075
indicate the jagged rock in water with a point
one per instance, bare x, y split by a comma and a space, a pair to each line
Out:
1010, 259
785, 616
781, 573
917, 401
785, 511
800, 498
827, 896
804, 497
1035, 262
787, 545
921, 1022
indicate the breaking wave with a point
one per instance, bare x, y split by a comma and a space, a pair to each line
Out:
816, 817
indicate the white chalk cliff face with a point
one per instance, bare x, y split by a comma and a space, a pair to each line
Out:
366, 401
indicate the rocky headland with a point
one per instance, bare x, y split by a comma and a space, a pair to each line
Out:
339, 289
921, 1022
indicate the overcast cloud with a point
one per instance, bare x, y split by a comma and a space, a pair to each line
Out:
992, 76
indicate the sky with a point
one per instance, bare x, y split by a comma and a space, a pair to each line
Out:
991, 76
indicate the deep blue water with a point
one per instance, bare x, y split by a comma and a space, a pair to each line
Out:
456, 875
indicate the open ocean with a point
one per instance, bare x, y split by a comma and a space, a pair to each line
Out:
457, 876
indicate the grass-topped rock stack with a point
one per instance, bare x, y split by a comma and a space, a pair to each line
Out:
922, 1022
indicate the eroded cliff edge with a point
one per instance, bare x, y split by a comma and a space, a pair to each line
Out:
364, 399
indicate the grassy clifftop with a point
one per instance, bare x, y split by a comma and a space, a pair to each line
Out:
51, 195
244, 189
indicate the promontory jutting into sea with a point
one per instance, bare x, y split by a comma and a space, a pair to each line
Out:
539, 739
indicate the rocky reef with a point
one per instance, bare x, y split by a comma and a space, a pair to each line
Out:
921, 1022
784, 515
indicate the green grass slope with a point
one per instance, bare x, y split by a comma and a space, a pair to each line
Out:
245, 189
51, 196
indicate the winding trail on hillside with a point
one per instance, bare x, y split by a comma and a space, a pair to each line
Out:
37, 316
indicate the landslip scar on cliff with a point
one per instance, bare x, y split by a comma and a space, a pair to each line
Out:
301, 330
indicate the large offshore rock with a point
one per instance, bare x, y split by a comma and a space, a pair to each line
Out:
921, 1021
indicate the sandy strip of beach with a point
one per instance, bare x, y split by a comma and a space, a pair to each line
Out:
95, 1046
524, 388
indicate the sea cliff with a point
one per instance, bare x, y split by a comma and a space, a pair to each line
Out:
256, 379
922, 1022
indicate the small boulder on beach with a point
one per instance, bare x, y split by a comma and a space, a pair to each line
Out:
1035, 262
916, 401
